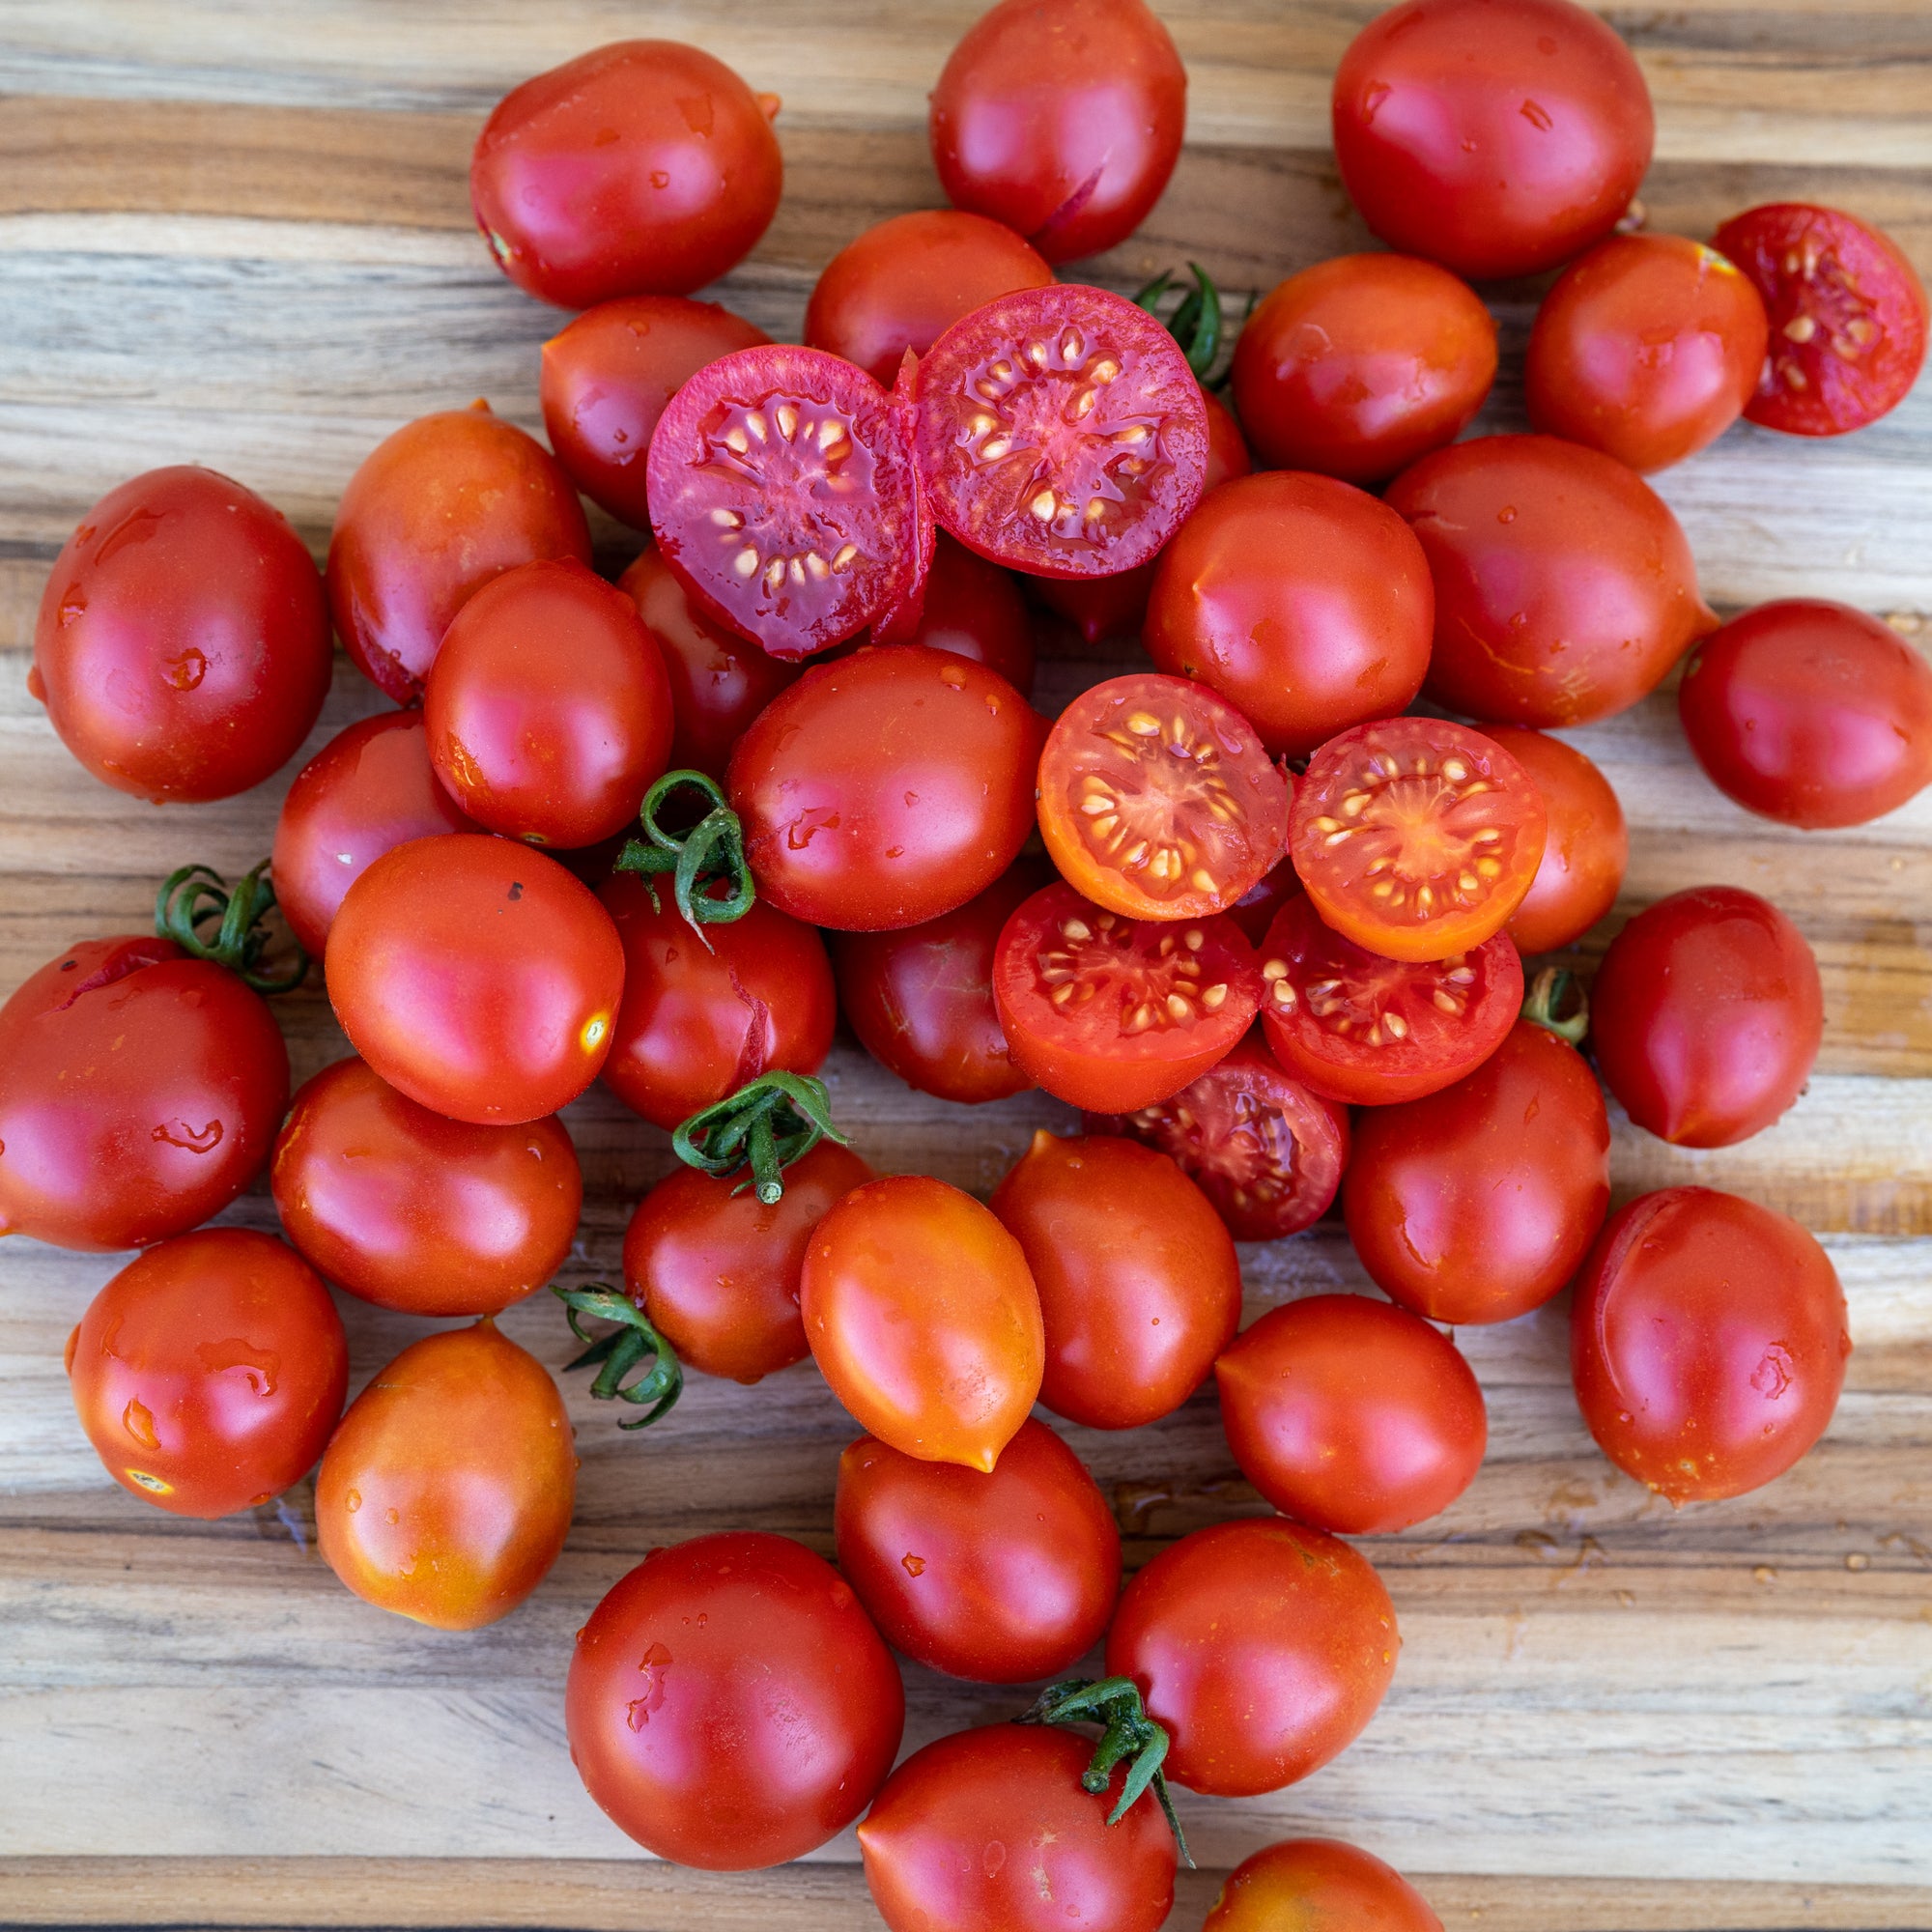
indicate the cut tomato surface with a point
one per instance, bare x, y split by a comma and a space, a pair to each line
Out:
901, 613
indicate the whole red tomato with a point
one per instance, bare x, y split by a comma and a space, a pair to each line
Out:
974, 610
644, 167
729, 1703
1319, 1882
182, 648
209, 1371
1585, 851
1262, 1646
1706, 1016
434, 512
1708, 1342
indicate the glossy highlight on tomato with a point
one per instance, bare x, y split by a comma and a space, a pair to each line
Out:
1586, 851
1319, 1881
974, 610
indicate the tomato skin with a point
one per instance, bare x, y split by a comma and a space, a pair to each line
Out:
1440, 149
1564, 587
1708, 1342
1304, 602
974, 610
140, 1091
1810, 712
703, 1760
1258, 908
1319, 1882
643, 167
821, 781
1356, 366
216, 1360
1262, 1646
998, 1579
1587, 848
478, 975
1648, 348
416, 1212
182, 646
1064, 125
435, 511
1139, 1284
929, 1841
1706, 1016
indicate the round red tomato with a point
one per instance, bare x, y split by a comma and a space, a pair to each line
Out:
1810, 712
1355, 1026
1708, 1342
730, 1705
416, 1212
1356, 366
434, 512
1062, 123
1848, 317
608, 376
974, 610
1060, 432
1139, 1286
644, 167
478, 975
1304, 602
1585, 852
887, 788
1478, 1203
990, 1830
1318, 1882
1262, 1646
1707, 1015
1564, 586
1647, 349
1499, 137
182, 648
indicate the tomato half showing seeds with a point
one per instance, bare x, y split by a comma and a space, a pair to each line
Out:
209, 1371
1586, 851
1355, 1026
1318, 1881
710, 1762
990, 1830
1264, 1647
1113, 1013
1708, 1342
1707, 1015
1139, 1284
1478, 1203
1848, 316
1060, 432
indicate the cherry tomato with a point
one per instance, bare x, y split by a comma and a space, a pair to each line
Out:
1354, 1026
997, 1577
1139, 1286
1707, 1015
1585, 852
887, 788
140, 1091
717, 1270
729, 1703
1060, 432
1319, 1882
1499, 137
1478, 1203
1416, 837
1708, 1342
1262, 1646
1848, 316
1564, 587
1810, 712
1257, 909
216, 1362
1356, 366
478, 975
923, 1318
1113, 1013
608, 376
434, 512
974, 610
1062, 123
182, 648
644, 167
416, 1212
1304, 602
990, 1830
1267, 1151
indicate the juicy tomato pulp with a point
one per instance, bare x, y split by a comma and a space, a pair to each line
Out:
1586, 851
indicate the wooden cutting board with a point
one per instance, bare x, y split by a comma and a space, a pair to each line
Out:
239, 234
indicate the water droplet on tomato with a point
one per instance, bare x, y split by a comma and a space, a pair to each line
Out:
181, 1135
352, 1502
139, 1420
913, 1566
187, 670
71, 606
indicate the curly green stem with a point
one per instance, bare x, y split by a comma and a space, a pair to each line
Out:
1197, 324
708, 855
620, 1352
1127, 1734
197, 896
766, 1126
1554, 989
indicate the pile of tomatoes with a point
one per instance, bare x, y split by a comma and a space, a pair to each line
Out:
1252, 914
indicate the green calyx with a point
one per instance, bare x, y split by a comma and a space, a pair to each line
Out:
197, 909
1127, 1734
1558, 1002
1196, 323
711, 878
766, 1126
618, 1353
